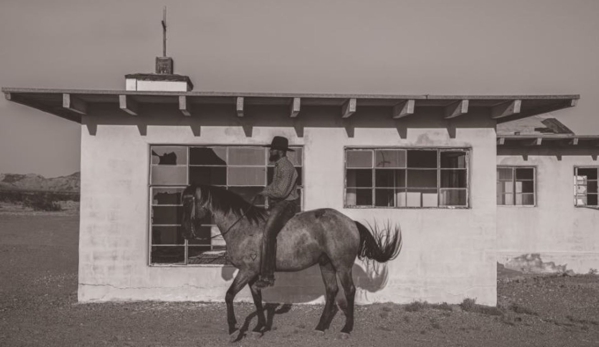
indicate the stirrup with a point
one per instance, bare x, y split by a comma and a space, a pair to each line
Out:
265, 282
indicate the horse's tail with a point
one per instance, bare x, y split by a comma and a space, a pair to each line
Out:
188, 219
380, 245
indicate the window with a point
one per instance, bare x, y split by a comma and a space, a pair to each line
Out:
391, 177
242, 169
516, 186
585, 186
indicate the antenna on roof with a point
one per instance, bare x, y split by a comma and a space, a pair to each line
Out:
164, 32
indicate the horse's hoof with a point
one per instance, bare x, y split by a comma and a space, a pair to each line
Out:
256, 334
234, 335
344, 336
319, 332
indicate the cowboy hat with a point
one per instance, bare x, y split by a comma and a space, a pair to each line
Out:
281, 143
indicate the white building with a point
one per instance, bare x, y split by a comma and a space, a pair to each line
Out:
426, 162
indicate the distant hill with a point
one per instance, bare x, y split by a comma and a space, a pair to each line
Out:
36, 182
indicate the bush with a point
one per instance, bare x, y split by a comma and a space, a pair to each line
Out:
42, 202
470, 305
416, 306
23, 196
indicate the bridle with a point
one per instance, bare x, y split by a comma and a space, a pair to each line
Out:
193, 233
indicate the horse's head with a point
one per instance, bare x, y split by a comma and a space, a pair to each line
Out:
194, 210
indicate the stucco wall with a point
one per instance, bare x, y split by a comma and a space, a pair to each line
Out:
555, 229
448, 254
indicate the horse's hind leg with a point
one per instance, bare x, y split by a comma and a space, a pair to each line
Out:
257, 296
242, 278
330, 283
345, 277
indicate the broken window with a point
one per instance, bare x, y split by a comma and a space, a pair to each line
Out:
516, 186
242, 169
585, 186
388, 177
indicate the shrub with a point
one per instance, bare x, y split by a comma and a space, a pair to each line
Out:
470, 305
42, 202
522, 310
444, 306
416, 306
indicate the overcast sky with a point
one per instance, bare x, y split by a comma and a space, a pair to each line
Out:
390, 47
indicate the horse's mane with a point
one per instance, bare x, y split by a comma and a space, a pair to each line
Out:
225, 201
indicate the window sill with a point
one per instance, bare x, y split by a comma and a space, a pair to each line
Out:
407, 208
190, 265
518, 206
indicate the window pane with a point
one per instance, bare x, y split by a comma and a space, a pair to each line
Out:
422, 198
169, 155
508, 199
295, 157
271, 171
422, 159
166, 196
390, 178
208, 156
592, 186
525, 187
385, 197
358, 197
248, 193
453, 197
166, 214
422, 178
581, 189
246, 176
590, 173
580, 180
167, 235
210, 175
453, 178
359, 159
169, 175
390, 158
217, 239
525, 199
592, 199
453, 160
247, 156
525, 174
203, 234
504, 173
581, 200
167, 255
359, 178
204, 255
499, 196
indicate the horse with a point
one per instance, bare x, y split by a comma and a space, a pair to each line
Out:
323, 236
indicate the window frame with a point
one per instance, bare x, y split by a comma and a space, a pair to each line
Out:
466, 149
535, 184
574, 175
151, 186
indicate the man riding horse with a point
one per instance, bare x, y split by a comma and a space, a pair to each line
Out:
283, 201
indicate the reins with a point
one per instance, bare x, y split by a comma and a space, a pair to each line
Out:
232, 225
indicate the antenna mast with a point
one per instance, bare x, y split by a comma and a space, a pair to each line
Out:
164, 32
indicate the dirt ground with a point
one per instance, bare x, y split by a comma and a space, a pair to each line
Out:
38, 307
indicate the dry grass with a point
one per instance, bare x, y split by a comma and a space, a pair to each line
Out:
38, 308
470, 305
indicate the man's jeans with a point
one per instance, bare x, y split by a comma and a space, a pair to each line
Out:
280, 213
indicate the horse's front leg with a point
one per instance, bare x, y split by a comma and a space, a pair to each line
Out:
257, 296
242, 278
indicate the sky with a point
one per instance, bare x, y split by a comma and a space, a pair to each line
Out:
308, 46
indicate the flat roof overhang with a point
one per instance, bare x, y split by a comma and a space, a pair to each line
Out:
552, 141
71, 104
